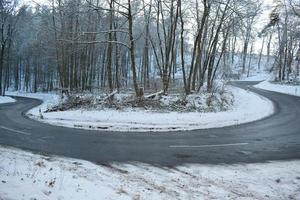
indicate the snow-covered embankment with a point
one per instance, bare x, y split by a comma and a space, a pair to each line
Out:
281, 88
4, 99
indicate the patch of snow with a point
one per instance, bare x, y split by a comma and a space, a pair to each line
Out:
24, 175
4, 99
167, 100
129, 120
282, 88
257, 76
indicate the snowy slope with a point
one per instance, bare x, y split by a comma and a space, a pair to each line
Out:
282, 88
258, 76
4, 99
24, 175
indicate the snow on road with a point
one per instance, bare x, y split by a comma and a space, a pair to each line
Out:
24, 175
4, 99
114, 120
282, 88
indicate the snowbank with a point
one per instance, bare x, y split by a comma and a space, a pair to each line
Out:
143, 121
259, 76
113, 120
282, 88
4, 99
24, 175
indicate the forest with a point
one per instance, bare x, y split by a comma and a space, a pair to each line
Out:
144, 46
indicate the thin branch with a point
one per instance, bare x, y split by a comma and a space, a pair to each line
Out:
93, 42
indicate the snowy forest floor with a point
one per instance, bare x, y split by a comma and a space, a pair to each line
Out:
24, 175
241, 111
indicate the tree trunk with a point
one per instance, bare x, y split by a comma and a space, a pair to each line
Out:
260, 54
132, 51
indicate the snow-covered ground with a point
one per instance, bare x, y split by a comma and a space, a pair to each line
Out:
4, 99
24, 175
114, 120
256, 76
282, 88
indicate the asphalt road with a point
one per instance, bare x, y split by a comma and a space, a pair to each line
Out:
274, 138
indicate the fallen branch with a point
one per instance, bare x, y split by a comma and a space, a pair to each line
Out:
153, 95
109, 96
